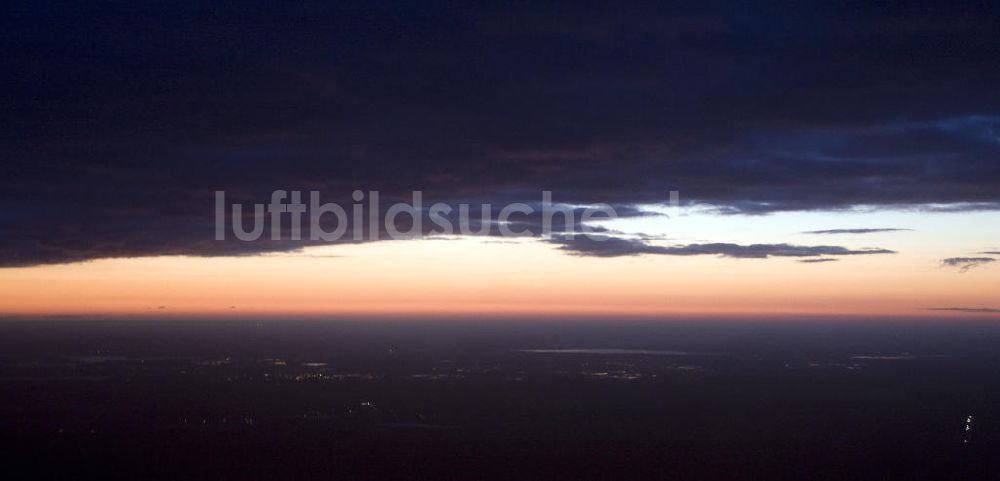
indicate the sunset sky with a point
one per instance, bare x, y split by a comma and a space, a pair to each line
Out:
836, 163
477, 277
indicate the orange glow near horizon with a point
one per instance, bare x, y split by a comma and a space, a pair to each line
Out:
477, 278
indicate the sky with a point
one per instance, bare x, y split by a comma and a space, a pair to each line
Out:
836, 160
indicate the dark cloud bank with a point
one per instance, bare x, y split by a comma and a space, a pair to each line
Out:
120, 123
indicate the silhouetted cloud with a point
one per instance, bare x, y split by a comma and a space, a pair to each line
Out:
609, 246
854, 231
965, 263
817, 261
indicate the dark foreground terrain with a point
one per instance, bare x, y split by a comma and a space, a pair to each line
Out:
288, 400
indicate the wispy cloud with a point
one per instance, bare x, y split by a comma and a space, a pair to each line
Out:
855, 231
973, 310
818, 261
965, 263
608, 246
